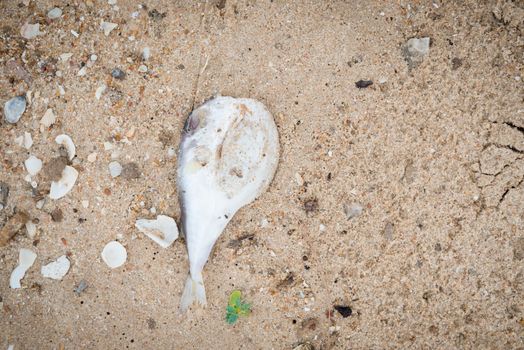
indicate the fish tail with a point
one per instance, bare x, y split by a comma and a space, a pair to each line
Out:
194, 290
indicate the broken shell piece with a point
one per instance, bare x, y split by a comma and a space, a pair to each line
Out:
115, 169
26, 258
48, 119
108, 27
99, 91
30, 31
56, 269
27, 140
61, 187
31, 229
54, 13
14, 108
114, 254
82, 71
66, 141
66, 56
163, 230
33, 165
92, 157
24, 140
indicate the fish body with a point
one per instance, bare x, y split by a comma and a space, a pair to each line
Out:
228, 155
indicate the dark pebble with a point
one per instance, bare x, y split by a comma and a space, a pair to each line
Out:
311, 205
57, 215
456, 63
155, 15
362, 84
130, 171
4, 194
119, 74
345, 311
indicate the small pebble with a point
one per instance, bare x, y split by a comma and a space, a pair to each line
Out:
93, 57
75, 34
14, 108
81, 287
115, 169
82, 71
54, 13
362, 84
119, 74
142, 68
4, 194
130, 171
353, 210
92, 157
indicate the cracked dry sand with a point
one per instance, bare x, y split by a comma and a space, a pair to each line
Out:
432, 155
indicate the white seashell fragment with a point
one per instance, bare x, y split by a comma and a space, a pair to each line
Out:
66, 141
108, 27
92, 157
48, 119
30, 31
65, 56
56, 269
14, 108
115, 169
26, 258
33, 165
82, 71
146, 53
99, 91
54, 13
163, 230
61, 187
114, 254
31, 229
28, 140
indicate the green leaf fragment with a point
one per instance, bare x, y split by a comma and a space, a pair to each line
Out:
236, 307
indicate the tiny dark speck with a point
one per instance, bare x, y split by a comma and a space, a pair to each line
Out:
362, 84
226, 216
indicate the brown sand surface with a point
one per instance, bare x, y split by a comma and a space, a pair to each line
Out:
433, 153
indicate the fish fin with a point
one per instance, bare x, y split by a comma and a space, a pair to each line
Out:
194, 290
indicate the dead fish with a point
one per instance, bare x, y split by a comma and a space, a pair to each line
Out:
228, 155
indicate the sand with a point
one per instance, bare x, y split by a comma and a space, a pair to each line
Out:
434, 155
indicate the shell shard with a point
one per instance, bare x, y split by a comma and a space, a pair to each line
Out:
228, 156
61, 187
163, 230
114, 254
66, 141
26, 258
57, 269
